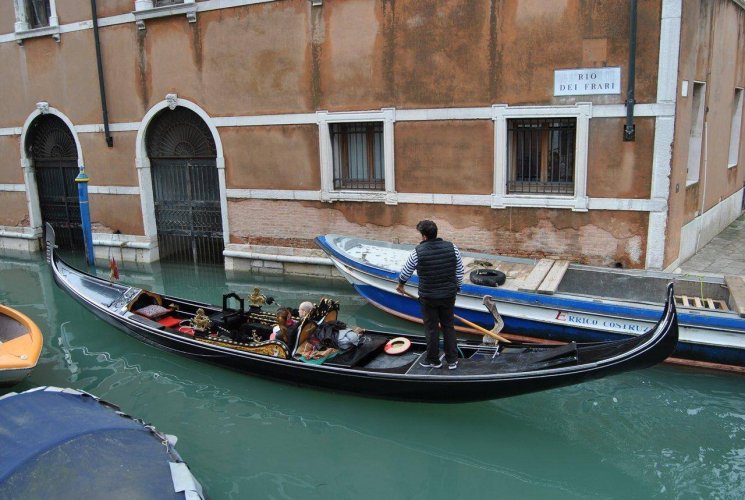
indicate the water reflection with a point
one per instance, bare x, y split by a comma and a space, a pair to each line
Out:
663, 432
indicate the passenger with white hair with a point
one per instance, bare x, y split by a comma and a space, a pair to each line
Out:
304, 309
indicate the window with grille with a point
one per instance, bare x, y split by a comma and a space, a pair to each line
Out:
541, 155
357, 151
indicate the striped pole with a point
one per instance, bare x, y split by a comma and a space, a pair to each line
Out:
85, 215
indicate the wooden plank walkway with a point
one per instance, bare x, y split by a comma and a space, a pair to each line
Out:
551, 283
701, 303
536, 276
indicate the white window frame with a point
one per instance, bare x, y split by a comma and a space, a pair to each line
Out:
736, 129
696, 136
582, 112
328, 194
24, 31
144, 9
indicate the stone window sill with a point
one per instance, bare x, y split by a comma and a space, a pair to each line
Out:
187, 9
52, 31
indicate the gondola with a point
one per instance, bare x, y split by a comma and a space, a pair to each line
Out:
236, 337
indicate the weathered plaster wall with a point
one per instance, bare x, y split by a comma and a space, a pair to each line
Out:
74, 11
449, 156
602, 238
61, 73
123, 64
7, 17
13, 209
535, 37
10, 160
110, 166
355, 54
728, 41
15, 92
352, 58
442, 53
268, 74
282, 157
713, 51
620, 169
116, 213
289, 57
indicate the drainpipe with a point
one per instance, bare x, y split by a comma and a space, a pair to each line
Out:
629, 133
101, 87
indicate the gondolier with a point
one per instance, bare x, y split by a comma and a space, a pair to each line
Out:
440, 269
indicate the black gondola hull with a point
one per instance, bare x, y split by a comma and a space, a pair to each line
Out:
435, 385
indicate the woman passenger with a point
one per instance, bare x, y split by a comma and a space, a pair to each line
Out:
283, 326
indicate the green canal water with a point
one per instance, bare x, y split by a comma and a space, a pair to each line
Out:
665, 432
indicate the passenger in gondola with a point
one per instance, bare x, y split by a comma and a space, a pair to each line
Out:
286, 327
281, 330
304, 309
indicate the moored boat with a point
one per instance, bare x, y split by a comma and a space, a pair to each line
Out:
556, 300
236, 337
20, 345
64, 443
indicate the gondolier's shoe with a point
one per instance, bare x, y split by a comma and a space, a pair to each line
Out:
453, 365
429, 364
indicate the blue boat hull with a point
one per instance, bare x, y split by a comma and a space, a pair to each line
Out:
713, 338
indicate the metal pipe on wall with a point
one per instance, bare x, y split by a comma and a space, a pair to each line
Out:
101, 86
629, 132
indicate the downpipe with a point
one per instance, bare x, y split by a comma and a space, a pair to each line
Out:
629, 130
101, 86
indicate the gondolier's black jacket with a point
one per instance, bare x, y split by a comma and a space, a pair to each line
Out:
436, 263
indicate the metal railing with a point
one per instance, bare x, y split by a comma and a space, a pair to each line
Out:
357, 150
541, 155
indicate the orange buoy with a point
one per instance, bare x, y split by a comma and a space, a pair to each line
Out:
398, 345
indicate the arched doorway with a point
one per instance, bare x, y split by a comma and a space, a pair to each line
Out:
54, 155
186, 190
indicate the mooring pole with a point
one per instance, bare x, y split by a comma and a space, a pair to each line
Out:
85, 214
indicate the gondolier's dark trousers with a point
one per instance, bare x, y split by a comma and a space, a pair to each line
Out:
437, 314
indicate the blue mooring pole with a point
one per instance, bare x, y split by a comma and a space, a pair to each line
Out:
85, 215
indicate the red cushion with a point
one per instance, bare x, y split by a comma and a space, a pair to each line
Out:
169, 322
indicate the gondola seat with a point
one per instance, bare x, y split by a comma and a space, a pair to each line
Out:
370, 346
153, 311
229, 318
149, 305
169, 321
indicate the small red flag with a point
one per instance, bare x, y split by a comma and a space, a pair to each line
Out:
114, 274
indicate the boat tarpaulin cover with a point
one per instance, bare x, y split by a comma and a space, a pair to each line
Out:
60, 443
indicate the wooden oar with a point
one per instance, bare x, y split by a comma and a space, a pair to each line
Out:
472, 325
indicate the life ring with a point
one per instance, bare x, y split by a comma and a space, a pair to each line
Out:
186, 329
398, 345
487, 277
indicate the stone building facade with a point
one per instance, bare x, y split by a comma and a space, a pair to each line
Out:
244, 128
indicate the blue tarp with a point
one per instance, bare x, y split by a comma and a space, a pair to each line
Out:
66, 444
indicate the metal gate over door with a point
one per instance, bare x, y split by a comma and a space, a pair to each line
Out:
52, 149
186, 189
